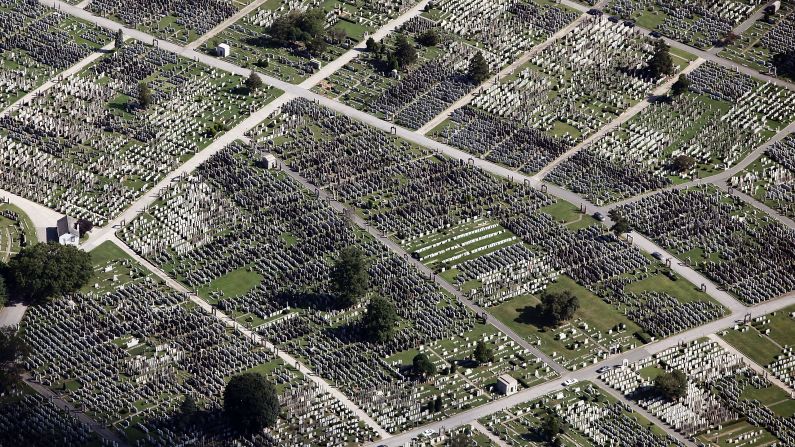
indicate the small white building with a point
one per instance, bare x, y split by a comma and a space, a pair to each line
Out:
267, 161
507, 385
68, 231
223, 50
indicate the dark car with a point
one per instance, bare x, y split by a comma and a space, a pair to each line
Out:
613, 19
629, 23
657, 255
655, 34
599, 216
594, 12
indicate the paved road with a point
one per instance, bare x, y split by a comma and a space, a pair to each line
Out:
618, 121
41, 216
254, 337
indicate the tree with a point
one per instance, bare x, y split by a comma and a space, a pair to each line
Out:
250, 402
13, 351
187, 412
438, 404
551, 427
404, 53
429, 38
144, 95
349, 276
119, 40
337, 35
478, 68
253, 82
683, 163
84, 226
462, 439
558, 307
660, 63
620, 226
423, 365
298, 26
680, 86
3, 288
380, 319
45, 270
316, 46
785, 64
372, 45
671, 385
483, 354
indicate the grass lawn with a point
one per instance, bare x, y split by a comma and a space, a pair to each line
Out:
106, 252
753, 344
237, 282
681, 289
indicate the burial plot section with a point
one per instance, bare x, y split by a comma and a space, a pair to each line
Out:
764, 40
37, 42
723, 398
346, 24
699, 133
701, 23
563, 94
89, 146
771, 178
16, 231
740, 248
590, 417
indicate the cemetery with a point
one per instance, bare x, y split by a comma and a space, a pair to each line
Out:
309, 279
346, 24
766, 38
771, 178
768, 341
94, 143
693, 135
16, 231
516, 252
738, 247
37, 43
584, 416
703, 24
178, 21
559, 97
721, 397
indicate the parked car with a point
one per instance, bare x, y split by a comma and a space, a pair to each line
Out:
570, 381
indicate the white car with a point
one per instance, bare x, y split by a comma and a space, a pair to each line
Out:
568, 382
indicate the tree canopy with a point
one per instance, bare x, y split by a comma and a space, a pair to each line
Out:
429, 38
405, 54
250, 402
551, 427
620, 226
482, 353
558, 307
45, 270
253, 82
380, 319
785, 64
478, 68
118, 41
349, 276
680, 86
683, 163
3, 287
307, 27
144, 95
187, 412
660, 63
423, 365
671, 385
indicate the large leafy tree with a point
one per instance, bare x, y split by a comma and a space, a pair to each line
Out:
380, 320
482, 353
41, 271
349, 276
785, 64
250, 402
558, 307
478, 68
672, 385
661, 63
404, 53
423, 366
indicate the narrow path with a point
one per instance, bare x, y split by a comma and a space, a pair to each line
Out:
60, 77
97, 428
761, 370
627, 115
254, 337
225, 24
485, 432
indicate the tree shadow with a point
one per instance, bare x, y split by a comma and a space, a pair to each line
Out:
311, 300
533, 315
